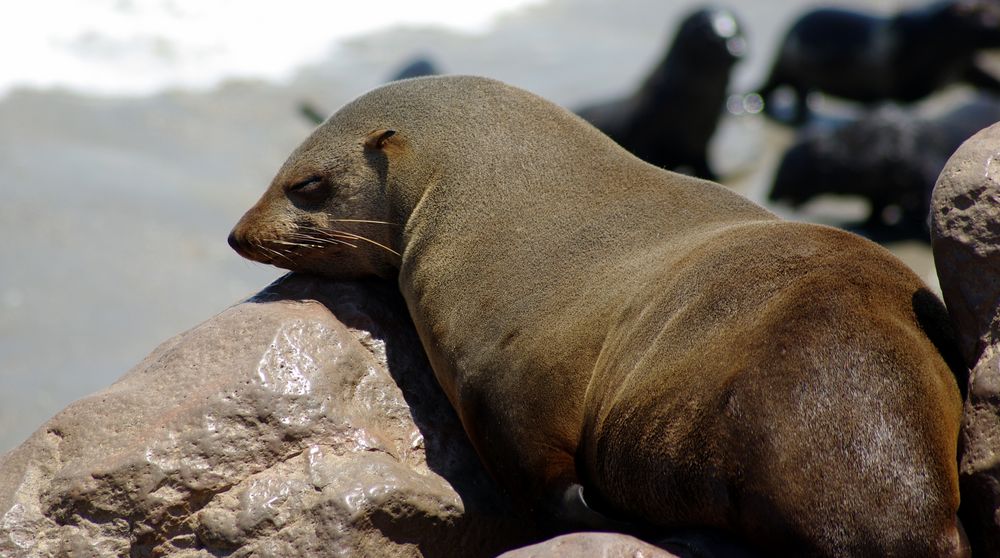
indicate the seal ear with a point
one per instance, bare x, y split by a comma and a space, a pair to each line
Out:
377, 139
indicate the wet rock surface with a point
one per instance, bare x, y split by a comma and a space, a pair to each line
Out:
304, 421
965, 233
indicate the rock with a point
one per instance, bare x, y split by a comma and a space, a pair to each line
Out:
965, 219
302, 422
965, 237
590, 545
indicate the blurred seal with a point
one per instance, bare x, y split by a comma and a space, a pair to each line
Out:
669, 121
891, 156
869, 58
418, 67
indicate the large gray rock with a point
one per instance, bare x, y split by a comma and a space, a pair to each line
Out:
303, 422
965, 233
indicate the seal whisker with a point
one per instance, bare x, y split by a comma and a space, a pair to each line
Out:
320, 238
302, 235
304, 242
344, 242
365, 221
317, 242
311, 232
278, 254
299, 244
341, 235
352, 236
268, 250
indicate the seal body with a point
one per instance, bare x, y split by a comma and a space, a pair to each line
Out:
869, 58
891, 156
671, 118
681, 353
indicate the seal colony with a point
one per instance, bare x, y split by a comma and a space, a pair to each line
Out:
680, 353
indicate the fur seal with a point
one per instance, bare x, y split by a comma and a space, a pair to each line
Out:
891, 156
671, 118
869, 58
685, 356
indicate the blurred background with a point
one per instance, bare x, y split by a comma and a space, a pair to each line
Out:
134, 133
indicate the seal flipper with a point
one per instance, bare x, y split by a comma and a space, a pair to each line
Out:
573, 510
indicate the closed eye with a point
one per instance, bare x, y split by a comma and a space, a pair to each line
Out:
307, 186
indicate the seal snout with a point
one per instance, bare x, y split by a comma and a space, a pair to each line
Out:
240, 241
236, 243
252, 248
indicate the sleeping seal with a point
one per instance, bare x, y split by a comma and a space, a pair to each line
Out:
679, 352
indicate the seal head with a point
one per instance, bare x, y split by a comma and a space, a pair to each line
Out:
297, 224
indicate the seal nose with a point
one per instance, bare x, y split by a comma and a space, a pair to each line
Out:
234, 242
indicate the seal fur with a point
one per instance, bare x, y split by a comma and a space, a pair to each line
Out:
680, 352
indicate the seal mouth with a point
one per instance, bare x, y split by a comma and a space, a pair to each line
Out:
271, 252
305, 243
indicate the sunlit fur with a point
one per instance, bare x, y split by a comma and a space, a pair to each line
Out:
686, 356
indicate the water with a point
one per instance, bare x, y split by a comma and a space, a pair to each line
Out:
143, 46
169, 119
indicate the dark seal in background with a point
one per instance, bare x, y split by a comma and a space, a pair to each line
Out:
669, 121
869, 58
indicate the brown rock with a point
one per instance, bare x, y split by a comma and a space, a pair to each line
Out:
590, 545
965, 234
304, 421
965, 222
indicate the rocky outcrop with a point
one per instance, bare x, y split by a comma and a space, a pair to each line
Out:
303, 422
965, 233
